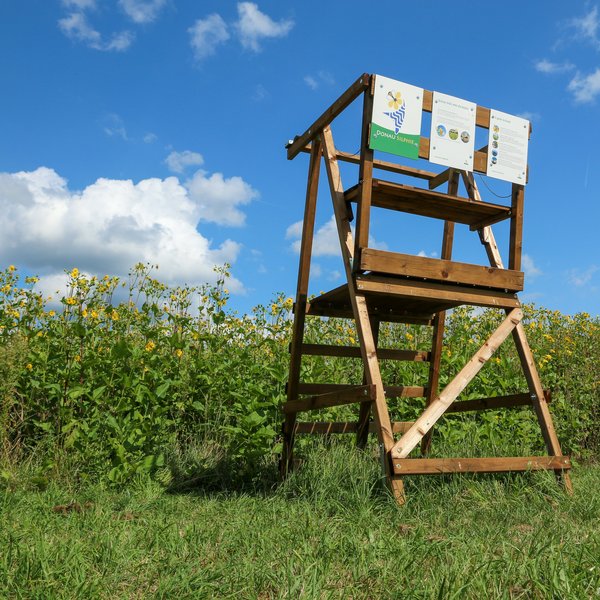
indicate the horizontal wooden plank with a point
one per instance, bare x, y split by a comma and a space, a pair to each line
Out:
330, 309
354, 352
383, 165
322, 428
391, 391
355, 90
508, 401
435, 466
438, 291
393, 263
337, 397
427, 203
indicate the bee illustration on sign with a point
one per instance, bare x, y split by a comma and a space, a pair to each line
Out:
397, 115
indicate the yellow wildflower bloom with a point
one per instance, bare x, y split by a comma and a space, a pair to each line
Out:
75, 272
71, 301
179, 352
12, 268
29, 366
150, 346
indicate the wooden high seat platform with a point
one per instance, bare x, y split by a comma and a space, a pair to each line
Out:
396, 287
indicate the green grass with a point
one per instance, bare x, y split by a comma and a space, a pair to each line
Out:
329, 532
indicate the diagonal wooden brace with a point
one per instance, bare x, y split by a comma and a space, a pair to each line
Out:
438, 407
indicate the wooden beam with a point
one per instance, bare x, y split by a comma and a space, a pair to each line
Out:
393, 263
516, 227
383, 165
359, 393
353, 92
504, 464
436, 291
449, 394
391, 391
496, 402
324, 428
354, 352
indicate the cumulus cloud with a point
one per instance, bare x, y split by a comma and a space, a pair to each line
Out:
207, 34
142, 11
218, 198
254, 26
548, 67
585, 88
587, 27
113, 224
178, 162
76, 27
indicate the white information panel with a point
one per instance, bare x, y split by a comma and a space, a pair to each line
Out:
507, 147
452, 132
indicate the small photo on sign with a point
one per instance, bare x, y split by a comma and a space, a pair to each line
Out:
396, 120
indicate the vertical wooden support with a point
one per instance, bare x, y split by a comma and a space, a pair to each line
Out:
440, 319
365, 176
516, 227
361, 315
308, 226
362, 427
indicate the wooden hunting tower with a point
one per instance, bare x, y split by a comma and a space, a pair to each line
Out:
388, 286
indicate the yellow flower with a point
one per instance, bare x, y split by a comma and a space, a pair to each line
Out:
77, 358
12, 268
114, 315
396, 100
84, 313
75, 272
94, 314
51, 313
179, 352
29, 366
150, 346
409, 337
71, 301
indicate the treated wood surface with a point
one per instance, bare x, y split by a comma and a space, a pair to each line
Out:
349, 395
324, 428
391, 391
436, 466
382, 165
393, 263
492, 403
448, 395
516, 227
354, 352
355, 90
427, 203
447, 295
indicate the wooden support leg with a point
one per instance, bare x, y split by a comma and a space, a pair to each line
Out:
362, 427
308, 227
361, 315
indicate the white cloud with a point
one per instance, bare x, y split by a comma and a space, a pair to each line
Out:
80, 4
530, 116
311, 82
207, 34
142, 11
150, 138
111, 225
254, 25
178, 162
587, 26
218, 198
585, 88
548, 67
76, 27
579, 277
113, 126
529, 267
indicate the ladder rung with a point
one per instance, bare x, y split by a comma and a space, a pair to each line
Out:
391, 391
508, 401
354, 352
347, 395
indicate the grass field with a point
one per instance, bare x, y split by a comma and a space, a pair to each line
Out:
329, 532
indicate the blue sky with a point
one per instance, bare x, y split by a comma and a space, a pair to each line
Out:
154, 130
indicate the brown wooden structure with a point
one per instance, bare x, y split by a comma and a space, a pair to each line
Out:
387, 286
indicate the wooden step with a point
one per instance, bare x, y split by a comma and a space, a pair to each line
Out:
427, 203
391, 391
354, 352
335, 397
504, 464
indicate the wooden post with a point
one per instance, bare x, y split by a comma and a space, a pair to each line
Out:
440, 318
308, 226
516, 227
362, 426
